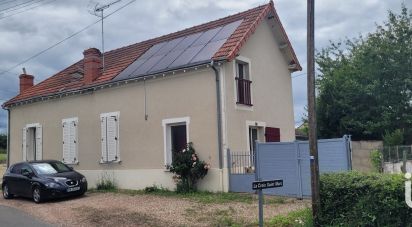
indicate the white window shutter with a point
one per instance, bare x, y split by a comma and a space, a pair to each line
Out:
24, 144
66, 143
39, 142
112, 138
103, 121
73, 141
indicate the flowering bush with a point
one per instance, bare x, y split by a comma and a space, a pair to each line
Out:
188, 169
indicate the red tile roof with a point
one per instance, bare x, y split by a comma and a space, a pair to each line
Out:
118, 59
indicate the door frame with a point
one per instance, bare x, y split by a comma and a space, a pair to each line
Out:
167, 141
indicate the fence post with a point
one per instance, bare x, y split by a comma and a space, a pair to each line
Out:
403, 161
229, 166
299, 193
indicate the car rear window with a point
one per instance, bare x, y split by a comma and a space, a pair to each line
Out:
50, 168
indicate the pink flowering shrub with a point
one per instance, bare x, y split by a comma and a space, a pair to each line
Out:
188, 169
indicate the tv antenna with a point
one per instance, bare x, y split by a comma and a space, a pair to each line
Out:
98, 10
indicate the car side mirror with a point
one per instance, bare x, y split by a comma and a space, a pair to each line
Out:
71, 168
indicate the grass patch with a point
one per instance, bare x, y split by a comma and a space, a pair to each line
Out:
106, 183
203, 197
217, 217
292, 219
3, 157
99, 217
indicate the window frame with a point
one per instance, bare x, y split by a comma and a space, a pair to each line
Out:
38, 155
166, 124
243, 60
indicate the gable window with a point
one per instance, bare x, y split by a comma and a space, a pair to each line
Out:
32, 143
176, 137
70, 155
243, 83
110, 137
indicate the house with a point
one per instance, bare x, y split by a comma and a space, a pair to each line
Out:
221, 85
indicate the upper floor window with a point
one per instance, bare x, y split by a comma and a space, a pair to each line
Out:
243, 83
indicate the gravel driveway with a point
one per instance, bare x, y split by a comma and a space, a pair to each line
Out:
114, 209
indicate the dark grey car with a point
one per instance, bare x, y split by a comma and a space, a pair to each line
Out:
42, 180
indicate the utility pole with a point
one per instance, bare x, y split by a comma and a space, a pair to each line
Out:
313, 141
96, 11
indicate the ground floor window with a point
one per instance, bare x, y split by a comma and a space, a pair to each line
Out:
32, 144
176, 137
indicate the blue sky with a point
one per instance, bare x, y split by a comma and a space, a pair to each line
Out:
27, 33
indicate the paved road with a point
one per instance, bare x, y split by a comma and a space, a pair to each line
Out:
11, 217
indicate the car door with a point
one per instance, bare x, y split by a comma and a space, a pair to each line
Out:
24, 183
13, 178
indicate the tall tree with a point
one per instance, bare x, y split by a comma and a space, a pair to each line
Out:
365, 84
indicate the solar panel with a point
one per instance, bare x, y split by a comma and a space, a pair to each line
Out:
147, 65
166, 60
152, 50
186, 56
130, 69
227, 31
206, 36
169, 46
175, 53
208, 51
187, 41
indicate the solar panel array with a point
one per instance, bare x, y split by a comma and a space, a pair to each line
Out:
180, 52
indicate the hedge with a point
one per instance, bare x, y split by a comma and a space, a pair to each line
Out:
359, 199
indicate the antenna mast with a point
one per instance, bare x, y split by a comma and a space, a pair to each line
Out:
100, 8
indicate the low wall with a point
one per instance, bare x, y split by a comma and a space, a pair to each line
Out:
361, 154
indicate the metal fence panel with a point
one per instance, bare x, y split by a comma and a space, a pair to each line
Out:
290, 161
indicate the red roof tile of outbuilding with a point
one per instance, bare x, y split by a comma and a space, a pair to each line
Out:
118, 59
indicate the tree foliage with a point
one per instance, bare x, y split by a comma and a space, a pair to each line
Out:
365, 84
3, 141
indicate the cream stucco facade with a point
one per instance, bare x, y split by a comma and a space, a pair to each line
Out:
189, 95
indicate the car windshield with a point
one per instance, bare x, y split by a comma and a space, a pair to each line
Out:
50, 168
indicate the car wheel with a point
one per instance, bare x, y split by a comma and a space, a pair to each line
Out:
6, 193
37, 198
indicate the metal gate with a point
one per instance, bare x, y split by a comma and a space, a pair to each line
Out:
288, 161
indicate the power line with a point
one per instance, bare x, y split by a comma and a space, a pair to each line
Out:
45, 3
68, 37
2, 3
24, 3
298, 75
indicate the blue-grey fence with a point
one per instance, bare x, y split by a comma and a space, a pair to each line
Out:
288, 161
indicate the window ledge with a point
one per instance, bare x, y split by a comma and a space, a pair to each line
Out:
71, 164
111, 162
244, 107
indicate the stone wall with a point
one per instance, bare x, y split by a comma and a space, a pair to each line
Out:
361, 154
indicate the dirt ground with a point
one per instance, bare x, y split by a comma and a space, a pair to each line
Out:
2, 170
113, 209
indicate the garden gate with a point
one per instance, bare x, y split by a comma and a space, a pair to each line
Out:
288, 161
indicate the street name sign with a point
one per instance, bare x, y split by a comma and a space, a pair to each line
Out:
256, 185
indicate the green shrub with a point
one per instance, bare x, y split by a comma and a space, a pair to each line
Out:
376, 160
155, 189
294, 218
106, 183
360, 199
394, 138
188, 169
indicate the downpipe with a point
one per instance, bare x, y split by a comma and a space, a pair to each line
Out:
219, 114
8, 138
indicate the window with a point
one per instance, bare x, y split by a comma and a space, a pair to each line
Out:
243, 83
32, 144
110, 137
70, 155
176, 137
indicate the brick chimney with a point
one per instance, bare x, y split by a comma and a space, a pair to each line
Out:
26, 81
92, 64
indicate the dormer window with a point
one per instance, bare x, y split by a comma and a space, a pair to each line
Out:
243, 83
